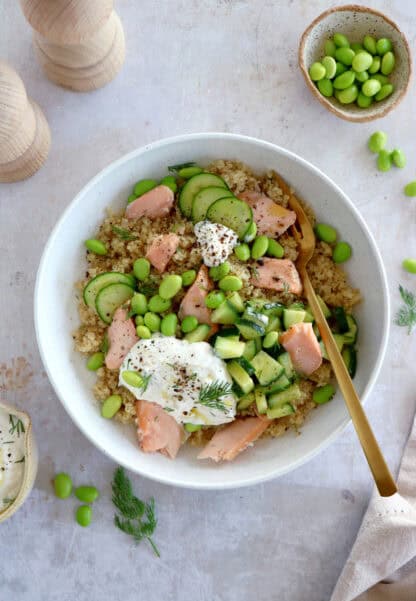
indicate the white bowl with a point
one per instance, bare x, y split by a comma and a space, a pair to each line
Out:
63, 263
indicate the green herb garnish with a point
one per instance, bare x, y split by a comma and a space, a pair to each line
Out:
8, 500
148, 288
138, 518
16, 426
406, 315
122, 233
22, 460
146, 380
176, 168
211, 395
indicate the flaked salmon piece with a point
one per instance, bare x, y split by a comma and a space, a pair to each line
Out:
162, 250
155, 203
157, 430
303, 347
227, 443
271, 219
193, 303
121, 337
277, 274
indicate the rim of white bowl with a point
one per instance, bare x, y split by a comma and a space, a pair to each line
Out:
271, 473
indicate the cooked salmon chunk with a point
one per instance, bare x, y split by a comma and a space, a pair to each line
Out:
121, 337
162, 250
193, 303
271, 219
277, 274
303, 347
157, 430
155, 203
227, 443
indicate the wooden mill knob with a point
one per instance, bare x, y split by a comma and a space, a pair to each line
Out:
79, 43
24, 132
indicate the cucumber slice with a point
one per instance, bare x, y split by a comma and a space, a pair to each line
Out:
236, 301
261, 401
350, 337
267, 369
290, 395
195, 185
101, 281
110, 298
286, 362
224, 314
341, 319
324, 307
292, 316
245, 402
199, 334
233, 213
273, 308
226, 348
249, 329
349, 354
255, 315
250, 350
240, 377
339, 339
278, 412
246, 365
275, 324
280, 384
204, 199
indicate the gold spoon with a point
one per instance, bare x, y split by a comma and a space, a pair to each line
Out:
306, 241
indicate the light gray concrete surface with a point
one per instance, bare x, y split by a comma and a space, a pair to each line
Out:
193, 65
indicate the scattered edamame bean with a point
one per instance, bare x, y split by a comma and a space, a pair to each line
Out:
330, 48
96, 246
138, 303
170, 182
230, 283
251, 232
387, 63
188, 277
361, 77
384, 160
143, 332
383, 79
330, 66
242, 252
86, 494
342, 252
410, 189
357, 47
345, 80
340, 40
62, 484
131, 198
152, 321
189, 324
157, 304
95, 361
260, 246
275, 249
138, 320
132, 378
188, 172
317, 71
111, 405
270, 339
192, 427
371, 87
141, 269
377, 141
325, 87
214, 299
383, 45
370, 44
385, 91
218, 272
398, 157
364, 101
168, 324
375, 65
323, 394
83, 515
143, 186
170, 286
409, 265
348, 95
340, 69
326, 233
345, 56
362, 61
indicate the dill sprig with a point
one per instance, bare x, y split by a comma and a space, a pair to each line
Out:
137, 517
122, 233
211, 395
16, 426
148, 288
146, 379
406, 315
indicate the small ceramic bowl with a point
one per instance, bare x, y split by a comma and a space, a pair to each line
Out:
355, 22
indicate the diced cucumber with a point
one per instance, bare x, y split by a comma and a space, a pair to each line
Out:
275, 325
309, 318
250, 350
236, 301
253, 314
240, 377
261, 401
279, 412
224, 314
341, 319
286, 362
259, 344
195, 185
277, 386
323, 350
249, 329
274, 351
349, 354
324, 307
204, 199
245, 402
350, 337
316, 331
199, 334
233, 213
267, 369
292, 316
229, 332
290, 395
110, 298
339, 339
272, 308
227, 348
297, 305
246, 365
101, 281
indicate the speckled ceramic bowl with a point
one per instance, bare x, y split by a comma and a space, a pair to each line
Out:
355, 22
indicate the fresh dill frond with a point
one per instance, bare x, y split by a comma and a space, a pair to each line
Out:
406, 315
211, 394
148, 288
16, 425
122, 233
146, 379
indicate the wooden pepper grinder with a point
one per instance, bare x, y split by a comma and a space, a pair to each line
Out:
24, 132
79, 43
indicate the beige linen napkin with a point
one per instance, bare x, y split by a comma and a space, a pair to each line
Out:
382, 563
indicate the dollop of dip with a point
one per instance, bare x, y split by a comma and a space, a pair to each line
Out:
216, 242
12, 457
182, 377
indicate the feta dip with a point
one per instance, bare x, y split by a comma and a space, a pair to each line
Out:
216, 242
12, 457
183, 378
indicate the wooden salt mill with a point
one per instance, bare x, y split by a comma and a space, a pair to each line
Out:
79, 43
24, 132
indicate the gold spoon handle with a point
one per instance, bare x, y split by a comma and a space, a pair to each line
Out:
381, 473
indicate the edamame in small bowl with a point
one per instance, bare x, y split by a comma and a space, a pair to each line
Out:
356, 62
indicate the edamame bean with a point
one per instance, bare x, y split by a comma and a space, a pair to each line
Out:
375, 65
383, 45
96, 246
214, 299
260, 246
345, 56
138, 303
132, 378
357, 47
218, 272
362, 77
362, 61
188, 172
111, 405
345, 80
138, 320
399, 158
95, 361
385, 91
131, 198
275, 249
316, 71
383, 79
384, 161
170, 286
242, 252
157, 304
270, 339
342, 252
152, 321
340, 69
143, 332
348, 95
143, 186
330, 66
364, 101
189, 324
377, 141
62, 485
330, 48
323, 394
340, 40
325, 87
188, 277
170, 182
168, 325
141, 269
83, 515
326, 233
387, 63
409, 265
231, 283
86, 494
371, 87
192, 427
251, 232
370, 44
410, 189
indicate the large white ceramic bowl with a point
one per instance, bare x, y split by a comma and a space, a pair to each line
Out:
63, 263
